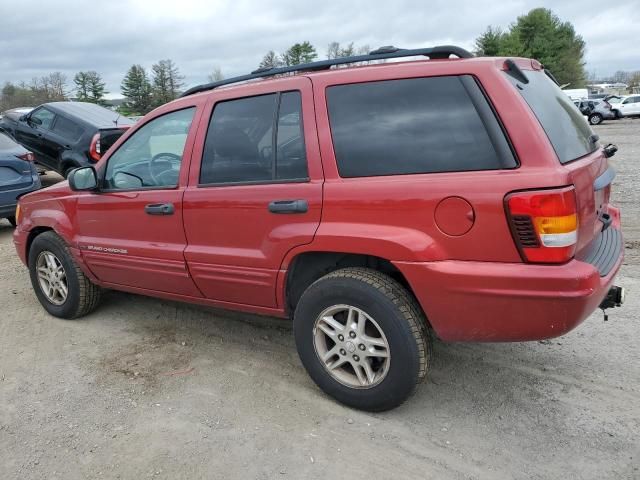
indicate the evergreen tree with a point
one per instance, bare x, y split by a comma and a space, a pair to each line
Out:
137, 89
299, 53
89, 87
540, 34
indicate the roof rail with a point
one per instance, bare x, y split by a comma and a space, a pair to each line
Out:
382, 53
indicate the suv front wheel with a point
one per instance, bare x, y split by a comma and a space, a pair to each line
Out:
61, 287
363, 338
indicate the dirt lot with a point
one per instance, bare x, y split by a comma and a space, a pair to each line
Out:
145, 388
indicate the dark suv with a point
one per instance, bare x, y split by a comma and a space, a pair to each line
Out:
66, 135
374, 205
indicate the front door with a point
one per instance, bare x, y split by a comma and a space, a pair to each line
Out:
31, 132
130, 232
255, 190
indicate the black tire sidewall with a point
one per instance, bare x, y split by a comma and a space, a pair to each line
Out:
404, 368
71, 305
12, 221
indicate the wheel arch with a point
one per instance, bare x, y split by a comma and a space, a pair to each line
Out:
70, 159
33, 233
308, 266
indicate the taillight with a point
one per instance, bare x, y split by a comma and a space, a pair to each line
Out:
94, 148
544, 224
29, 157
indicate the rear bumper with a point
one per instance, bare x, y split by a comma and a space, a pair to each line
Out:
8, 209
501, 302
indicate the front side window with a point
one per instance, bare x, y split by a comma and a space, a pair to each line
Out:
43, 118
67, 129
255, 139
416, 125
152, 156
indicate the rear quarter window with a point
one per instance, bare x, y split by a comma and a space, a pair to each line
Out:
566, 127
417, 125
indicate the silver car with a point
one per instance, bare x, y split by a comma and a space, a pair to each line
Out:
596, 110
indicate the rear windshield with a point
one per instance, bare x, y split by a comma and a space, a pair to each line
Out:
565, 126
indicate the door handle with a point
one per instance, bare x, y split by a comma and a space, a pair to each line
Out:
159, 209
289, 206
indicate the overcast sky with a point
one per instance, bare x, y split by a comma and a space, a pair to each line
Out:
38, 37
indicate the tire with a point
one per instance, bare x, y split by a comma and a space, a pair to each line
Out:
595, 119
82, 295
12, 220
388, 308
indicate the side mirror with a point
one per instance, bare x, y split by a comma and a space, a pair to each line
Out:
34, 121
83, 179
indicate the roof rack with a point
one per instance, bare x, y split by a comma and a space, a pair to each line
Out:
439, 52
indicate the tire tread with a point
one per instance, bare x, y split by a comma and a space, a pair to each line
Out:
89, 293
406, 304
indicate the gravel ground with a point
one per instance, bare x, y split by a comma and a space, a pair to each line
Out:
145, 388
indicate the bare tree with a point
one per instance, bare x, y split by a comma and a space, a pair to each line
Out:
166, 81
270, 60
335, 50
216, 75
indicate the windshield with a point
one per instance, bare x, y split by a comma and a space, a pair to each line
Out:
567, 129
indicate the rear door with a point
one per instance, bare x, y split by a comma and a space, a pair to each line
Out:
64, 134
255, 190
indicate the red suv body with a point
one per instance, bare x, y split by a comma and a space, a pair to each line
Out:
498, 223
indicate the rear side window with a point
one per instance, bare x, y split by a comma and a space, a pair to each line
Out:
255, 139
566, 127
67, 129
418, 125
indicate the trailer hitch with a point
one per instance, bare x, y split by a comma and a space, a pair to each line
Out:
615, 298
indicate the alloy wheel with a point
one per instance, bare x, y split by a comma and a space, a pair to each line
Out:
351, 346
52, 278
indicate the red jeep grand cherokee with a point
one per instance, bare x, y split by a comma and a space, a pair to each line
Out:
374, 205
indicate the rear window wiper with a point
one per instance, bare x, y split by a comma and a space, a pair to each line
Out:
550, 75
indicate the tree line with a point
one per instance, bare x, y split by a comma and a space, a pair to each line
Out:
539, 34
141, 91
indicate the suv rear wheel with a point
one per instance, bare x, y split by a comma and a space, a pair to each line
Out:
362, 338
61, 287
595, 119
